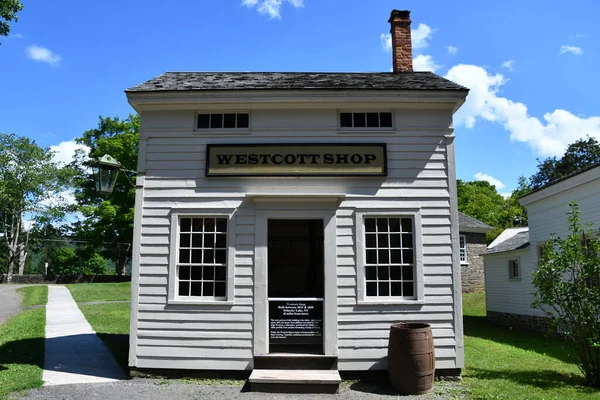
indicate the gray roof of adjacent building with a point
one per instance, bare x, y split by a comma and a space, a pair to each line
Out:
208, 81
516, 242
466, 221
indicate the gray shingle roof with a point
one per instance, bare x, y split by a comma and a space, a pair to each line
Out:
186, 81
466, 221
516, 242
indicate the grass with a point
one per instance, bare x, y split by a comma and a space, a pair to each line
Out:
111, 323
505, 364
22, 351
87, 292
34, 295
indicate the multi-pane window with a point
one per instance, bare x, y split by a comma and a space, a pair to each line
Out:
514, 271
463, 248
366, 120
389, 257
202, 258
223, 121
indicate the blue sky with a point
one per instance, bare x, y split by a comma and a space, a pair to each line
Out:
531, 65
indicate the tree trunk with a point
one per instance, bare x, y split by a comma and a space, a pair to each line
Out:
120, 265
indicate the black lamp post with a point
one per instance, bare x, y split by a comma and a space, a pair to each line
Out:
106, 170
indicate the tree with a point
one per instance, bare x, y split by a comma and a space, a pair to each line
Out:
580, 154
567, 289
31, 184
8, 12
108, 226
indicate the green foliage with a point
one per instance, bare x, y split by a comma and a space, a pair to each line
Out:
580, 154
567, 289
68, 261
109, 219
8, 12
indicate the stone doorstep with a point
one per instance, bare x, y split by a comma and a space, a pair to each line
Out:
297, 376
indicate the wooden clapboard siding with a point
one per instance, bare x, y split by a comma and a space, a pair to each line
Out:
221, 337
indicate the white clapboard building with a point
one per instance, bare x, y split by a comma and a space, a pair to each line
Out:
295, 214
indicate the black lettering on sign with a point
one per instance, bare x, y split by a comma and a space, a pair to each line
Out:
356, 158
369, 158
341, 159
253, 159
328, 158
224, 158
241, 159
279, 159
290, 159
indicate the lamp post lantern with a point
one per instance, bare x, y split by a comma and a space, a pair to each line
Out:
106, 170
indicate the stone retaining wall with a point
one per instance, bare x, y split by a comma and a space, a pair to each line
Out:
42, 279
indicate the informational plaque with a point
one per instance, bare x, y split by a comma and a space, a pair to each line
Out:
331, 159
296, 322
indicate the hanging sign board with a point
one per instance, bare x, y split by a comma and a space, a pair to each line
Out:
296, 322
357, 159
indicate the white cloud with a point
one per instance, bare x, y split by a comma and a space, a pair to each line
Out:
386, 41
452, 50
571, 49
577, 36
42, 54
65, 151
509, 65
424, 62
420, 36
547, 137
60, 199
490, 179
272, 8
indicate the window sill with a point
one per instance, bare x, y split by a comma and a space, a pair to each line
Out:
464, 263
391, 302
514, 279
201, 302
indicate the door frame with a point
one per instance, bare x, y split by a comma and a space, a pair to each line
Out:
264, 212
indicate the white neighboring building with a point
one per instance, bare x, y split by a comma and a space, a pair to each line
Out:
512, 257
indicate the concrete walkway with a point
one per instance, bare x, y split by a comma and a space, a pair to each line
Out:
74, 353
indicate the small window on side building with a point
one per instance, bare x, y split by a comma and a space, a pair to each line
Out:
514, 269
463, 249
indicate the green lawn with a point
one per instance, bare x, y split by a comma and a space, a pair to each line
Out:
505, 364
34, 295
111, 323
22, 351
85, 292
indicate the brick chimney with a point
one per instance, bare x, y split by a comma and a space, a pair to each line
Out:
401, 41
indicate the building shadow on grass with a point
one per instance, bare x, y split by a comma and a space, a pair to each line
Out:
25, 351
480, 327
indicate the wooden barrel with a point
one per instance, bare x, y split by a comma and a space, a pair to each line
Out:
411, 358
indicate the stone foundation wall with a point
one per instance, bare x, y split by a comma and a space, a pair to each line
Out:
43, 279
520, 322
472, 273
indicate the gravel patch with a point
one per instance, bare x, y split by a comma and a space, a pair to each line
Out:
10, 301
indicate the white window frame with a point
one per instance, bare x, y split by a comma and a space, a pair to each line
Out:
222, 130
348, 129
510, 268
176, 215
462, 240
360, 216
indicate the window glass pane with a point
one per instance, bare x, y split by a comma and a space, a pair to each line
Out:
407, 257
243, 120
216, 121
384, 288
184, 256
184, 240
220, 289
395, 273
221, 241
222, 225
396, 288
184, 272
384, 256
385, 119
229, 121
185, 224
407, 225
209, 241
196, 256
396, 257
407, 272
197, 225
221, 256
346, 120
209, 256
197, 273
196, 240
408, 289
371, 240
208, 288
203, 121
371, 273
407, 240
371, 256
371, 288
209, 225
383, 272
382, 224
196, 288
394, 240
369, 224
208, 273
184, 288
373, 120
382, 240
220, 273
360, 120
394, 224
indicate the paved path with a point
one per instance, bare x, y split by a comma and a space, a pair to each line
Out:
10, 301
74, 353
